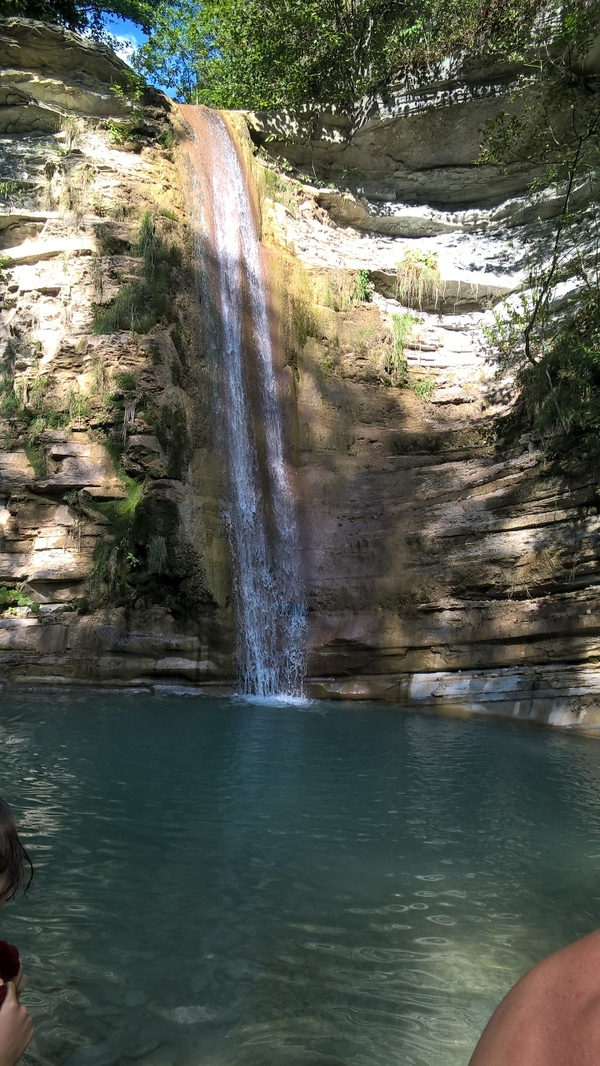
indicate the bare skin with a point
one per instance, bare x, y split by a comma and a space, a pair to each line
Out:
16, 1026
551, 1017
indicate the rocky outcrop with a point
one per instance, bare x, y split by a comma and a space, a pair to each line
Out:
46, 70
104, 435
407, 157
444, 569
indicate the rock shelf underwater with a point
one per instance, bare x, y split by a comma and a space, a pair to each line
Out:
439, 566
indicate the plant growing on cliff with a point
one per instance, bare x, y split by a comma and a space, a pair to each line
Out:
342, 289
114, 556
395, 363
282, 190
13, 598
363, 287
294, 293
424, 388
30, 405
13, 192
418, 278
549, 338
131, 127
139, 304
157, 554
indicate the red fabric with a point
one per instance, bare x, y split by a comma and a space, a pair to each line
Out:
9, 961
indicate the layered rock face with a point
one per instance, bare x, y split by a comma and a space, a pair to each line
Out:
443, 567
103, 407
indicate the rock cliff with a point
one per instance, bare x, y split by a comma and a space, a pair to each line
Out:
442, 565
108, 574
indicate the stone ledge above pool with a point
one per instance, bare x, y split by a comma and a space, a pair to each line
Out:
153, 656
564, 697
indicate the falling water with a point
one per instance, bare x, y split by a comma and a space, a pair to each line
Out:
261, 513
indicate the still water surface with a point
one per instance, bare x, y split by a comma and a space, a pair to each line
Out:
220, 882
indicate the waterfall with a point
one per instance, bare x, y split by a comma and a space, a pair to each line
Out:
261, 511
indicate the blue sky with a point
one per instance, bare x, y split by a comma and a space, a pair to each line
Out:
127, 34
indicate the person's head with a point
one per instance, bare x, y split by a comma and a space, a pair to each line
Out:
16, 871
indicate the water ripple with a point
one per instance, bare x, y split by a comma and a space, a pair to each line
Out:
232, 883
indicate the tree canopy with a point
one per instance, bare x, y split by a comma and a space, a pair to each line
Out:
80, 15
269, 53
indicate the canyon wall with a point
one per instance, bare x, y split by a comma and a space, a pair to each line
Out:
445, 564
113, 561
449, 561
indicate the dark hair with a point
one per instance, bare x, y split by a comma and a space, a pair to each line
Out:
14, 860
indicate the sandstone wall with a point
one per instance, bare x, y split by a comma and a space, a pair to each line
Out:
443, 567
110, 518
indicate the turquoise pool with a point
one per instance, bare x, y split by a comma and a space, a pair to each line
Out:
221, 882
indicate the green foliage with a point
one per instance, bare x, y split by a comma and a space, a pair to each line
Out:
136, 307
150, 247
125, 380
81, 15
395, 360
402, 328
140, 304
424, 388
34, 431
121, 513
121, 130
560, 385
363, 287
13, 192
549, 339
269, 53
295, 297
418, 278
282, 190
99, 386
115, 555
157, 554
342, 289
97, 275
13, 598
131, 93
167, 140
105, 578
36, 456
34, 413
77, 404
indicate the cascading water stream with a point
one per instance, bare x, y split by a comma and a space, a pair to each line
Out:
261, 514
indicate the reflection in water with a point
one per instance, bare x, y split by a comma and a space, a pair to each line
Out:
224, 882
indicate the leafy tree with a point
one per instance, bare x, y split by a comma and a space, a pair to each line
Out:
551, 342
178, 49
80, 15
269, 53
